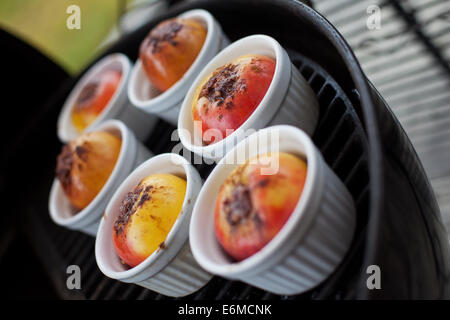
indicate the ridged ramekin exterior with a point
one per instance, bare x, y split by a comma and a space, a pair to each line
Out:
300, 107
171, 114
289, 100
312, 242
140, 122
182, 276
171, 269
321, 250
90, 229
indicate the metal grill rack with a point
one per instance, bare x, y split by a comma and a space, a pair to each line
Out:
408, 61
342, 141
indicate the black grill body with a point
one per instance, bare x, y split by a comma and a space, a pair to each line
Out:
398, 225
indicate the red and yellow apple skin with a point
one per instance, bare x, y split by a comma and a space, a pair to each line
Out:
170, 49
146, 216
94, 97
226, 98
85, 164
251, 208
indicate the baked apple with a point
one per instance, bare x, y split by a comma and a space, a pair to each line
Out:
94, 97
251, 208
230, 94
85, 164
170, 49
146, 216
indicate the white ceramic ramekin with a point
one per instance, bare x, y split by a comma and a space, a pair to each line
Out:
171, 270
132, 153
118, 107
310, 245
167, 104
289, 99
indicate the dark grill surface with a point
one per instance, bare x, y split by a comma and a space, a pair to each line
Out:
342, 141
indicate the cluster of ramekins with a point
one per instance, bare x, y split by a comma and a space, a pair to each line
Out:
305, 251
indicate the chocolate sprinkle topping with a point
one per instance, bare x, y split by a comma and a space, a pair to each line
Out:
66, 160
223, 84
165, 32
143, 199
129, 206
238, 206
263, 183
87, 92
64, 166
82, 152
126, 210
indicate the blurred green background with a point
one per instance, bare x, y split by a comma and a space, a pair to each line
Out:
42, 23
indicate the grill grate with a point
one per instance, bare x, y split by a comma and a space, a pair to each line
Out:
408, 61
341, 138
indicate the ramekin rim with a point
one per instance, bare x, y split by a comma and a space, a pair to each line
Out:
157, 102
135, 271
250, 264
187, 102
64, 119
126, 146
